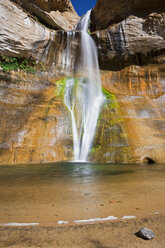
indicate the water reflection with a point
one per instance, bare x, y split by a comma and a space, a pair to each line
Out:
47, 173
70, 191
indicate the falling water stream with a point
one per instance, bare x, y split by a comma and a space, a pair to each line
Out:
83, 96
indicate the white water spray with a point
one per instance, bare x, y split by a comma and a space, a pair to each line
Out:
83, 96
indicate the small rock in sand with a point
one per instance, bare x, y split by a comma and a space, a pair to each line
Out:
145, 233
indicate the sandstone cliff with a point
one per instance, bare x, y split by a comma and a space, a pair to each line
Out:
23, 37
56, 14
134, 33
106, 12
131, 43
35, 124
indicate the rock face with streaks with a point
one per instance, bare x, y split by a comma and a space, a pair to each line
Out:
130, 36
106, 12
35, 123
133, 41
57, 14
140, 95
23, 37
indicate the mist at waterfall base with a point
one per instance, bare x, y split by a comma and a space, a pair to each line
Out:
83, 96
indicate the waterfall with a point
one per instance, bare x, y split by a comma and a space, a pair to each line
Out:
66, 60
83, 96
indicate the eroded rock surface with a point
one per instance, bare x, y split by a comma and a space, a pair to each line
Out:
57, 14
132, 41
140, 96
21, 36
131, 45
108, 12
35, 124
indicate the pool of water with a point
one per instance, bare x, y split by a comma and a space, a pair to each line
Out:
48, 193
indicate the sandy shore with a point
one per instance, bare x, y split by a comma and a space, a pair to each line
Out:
49, 194
113, 234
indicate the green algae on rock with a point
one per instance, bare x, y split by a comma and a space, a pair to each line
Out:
110, 143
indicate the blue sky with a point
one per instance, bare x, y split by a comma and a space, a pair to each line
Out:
82, 6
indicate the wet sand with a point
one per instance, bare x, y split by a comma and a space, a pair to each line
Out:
116, 234
47, 194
